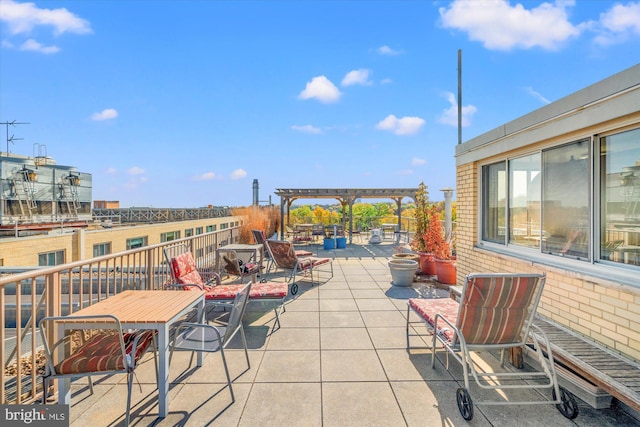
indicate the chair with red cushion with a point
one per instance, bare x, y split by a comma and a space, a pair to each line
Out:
186, 276
285, 258
92, 345
495, 312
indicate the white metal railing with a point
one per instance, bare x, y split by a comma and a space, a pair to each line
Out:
59, 290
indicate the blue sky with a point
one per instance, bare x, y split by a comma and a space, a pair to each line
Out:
184, 103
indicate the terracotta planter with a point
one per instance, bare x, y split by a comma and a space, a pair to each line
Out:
427, 263
446, 271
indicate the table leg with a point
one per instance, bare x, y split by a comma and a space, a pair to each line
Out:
202, 319
163, 370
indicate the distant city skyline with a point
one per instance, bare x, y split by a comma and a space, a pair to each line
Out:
183, 103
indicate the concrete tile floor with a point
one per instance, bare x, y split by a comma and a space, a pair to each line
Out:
339, 359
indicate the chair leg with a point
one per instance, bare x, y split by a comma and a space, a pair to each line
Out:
129, 390
244, 342
226, 370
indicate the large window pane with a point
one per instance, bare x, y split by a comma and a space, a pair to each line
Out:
524, 201
565, 194
620, 197
494, 202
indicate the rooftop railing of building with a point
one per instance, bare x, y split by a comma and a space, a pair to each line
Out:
27, 297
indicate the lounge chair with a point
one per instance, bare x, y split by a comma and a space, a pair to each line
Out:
495, 312
186, 276
285, 258
260, 238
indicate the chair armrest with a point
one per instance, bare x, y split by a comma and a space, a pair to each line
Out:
181, 285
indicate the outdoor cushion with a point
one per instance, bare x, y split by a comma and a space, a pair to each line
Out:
428, 308
102, 353
185, 272
258, 290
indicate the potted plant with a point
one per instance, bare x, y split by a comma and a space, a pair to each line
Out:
445, 263
421, 240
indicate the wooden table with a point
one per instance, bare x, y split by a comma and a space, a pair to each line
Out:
146, 310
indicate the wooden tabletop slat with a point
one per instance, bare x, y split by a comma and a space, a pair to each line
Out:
143, 306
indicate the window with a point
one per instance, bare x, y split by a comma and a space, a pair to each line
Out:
546, 201
169, 236
620, 198
524, 201
565, 207
188, 232
198, 230
211, 228
136, 242
51, 258
101, 249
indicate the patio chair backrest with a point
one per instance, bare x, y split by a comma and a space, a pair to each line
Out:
184, 271
235, 318
258, 236
283, 254
498, 308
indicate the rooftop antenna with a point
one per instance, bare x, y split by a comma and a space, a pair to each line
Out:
12, 138
459, 96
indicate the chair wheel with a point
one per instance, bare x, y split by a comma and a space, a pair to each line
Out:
465, 404
294, 288
569, 406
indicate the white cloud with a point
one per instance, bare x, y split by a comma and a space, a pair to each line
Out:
537, 95
322, 89
418, 162
500, 26
618, 24
307, 129
403, 126
22, 18
34, 46
386, 50
386, 81
450, 115
357, 77
106, 114
111, 170
135, 171
207, 176
238, 174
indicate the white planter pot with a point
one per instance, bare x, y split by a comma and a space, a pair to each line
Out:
402, 271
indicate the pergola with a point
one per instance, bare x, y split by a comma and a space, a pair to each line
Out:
346, 197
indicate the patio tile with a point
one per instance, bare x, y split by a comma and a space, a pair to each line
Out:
400, 365
338, 319
293, 404
336, 294
295, 339
351, 365
360, 404
289, 366
303, 305
368, 293
382, 338
345, 338
300, 319
375, 304
373, 319
338, 305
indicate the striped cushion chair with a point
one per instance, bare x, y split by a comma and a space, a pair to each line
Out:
92, 345
285, 258
495, 312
